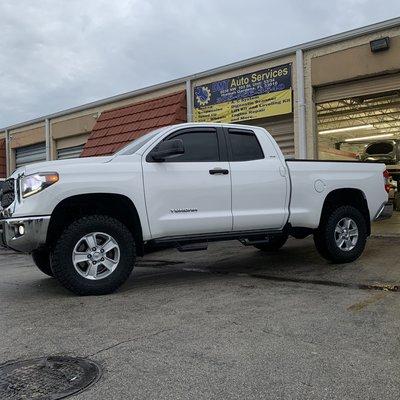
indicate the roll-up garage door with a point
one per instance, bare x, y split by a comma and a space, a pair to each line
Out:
30, 154
69, 152
358, 88
282, 131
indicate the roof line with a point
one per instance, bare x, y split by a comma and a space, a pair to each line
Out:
353, 33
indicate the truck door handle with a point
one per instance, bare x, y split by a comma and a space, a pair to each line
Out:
219, 171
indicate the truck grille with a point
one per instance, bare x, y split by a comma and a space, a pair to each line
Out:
8, 193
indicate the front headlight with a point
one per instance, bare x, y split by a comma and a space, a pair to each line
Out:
35, 183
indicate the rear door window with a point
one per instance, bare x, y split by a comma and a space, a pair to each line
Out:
244, 145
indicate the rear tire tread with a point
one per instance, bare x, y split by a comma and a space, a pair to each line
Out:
324, 236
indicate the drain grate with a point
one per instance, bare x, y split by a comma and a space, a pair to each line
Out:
48, 378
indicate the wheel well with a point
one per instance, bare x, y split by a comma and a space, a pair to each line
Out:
347, 197
113, 205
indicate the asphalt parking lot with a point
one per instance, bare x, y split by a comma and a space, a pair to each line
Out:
230, 323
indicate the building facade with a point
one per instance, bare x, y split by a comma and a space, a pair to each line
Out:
324, 99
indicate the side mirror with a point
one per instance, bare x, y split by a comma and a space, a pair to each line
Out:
168, 149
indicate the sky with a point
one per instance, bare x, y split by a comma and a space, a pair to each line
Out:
56, 54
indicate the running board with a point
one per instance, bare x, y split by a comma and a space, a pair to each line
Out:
191, 247
250, 237
249, 242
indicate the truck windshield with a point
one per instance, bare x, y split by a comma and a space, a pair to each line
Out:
134, 146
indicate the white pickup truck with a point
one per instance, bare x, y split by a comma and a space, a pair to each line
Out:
85, 220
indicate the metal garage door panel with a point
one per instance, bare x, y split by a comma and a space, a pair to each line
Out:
361, 87
282, 131
69, 152
30, 154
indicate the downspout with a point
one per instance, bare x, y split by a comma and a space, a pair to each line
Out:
189, 103
301, 105
7, 153
48, 139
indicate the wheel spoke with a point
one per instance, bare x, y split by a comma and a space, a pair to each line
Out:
91, 240
349, 244
338, 230
340, 243
109, 245
80, 257
92, 271
108, 263
353, 232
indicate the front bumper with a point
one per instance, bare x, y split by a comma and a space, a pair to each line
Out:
385, 212
26, 239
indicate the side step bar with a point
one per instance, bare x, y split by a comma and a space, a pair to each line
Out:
249, 242
200, 242
191, 247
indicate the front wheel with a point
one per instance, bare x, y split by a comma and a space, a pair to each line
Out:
94, 255
342, 236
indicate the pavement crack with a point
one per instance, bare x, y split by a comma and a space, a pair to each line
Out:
128, 341
386, 287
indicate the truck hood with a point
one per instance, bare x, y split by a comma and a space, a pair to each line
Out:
54, 166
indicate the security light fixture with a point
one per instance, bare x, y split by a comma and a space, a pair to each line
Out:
380, 44
350, 128
386, 135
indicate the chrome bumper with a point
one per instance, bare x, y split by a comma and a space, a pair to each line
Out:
385, 212
24, 234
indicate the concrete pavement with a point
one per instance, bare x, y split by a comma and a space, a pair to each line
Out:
230, 323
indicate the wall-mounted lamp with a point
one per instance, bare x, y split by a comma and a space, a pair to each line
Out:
379, 44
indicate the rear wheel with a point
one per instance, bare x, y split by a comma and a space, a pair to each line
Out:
274, 244
342, 235
94, 255
41, 258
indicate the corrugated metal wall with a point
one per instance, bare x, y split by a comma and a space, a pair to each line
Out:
282, 130
69, 152
30, 154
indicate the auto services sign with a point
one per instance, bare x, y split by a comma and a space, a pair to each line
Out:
254, 95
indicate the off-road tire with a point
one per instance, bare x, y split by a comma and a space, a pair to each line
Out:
275, 243
324, 238
61, 258
41, 258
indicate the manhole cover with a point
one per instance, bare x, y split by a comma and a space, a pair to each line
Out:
48, 378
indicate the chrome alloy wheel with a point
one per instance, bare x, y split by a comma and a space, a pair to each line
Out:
96, 255
346, 234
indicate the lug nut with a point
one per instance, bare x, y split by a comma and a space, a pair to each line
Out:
89, 256
101, 250
102, 259
94, 262
94, 249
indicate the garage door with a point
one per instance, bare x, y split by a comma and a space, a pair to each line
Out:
352, 115
30, 154
358, 88
282, 131
69, 152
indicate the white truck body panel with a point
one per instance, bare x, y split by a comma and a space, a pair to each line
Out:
306, 202
175, 199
